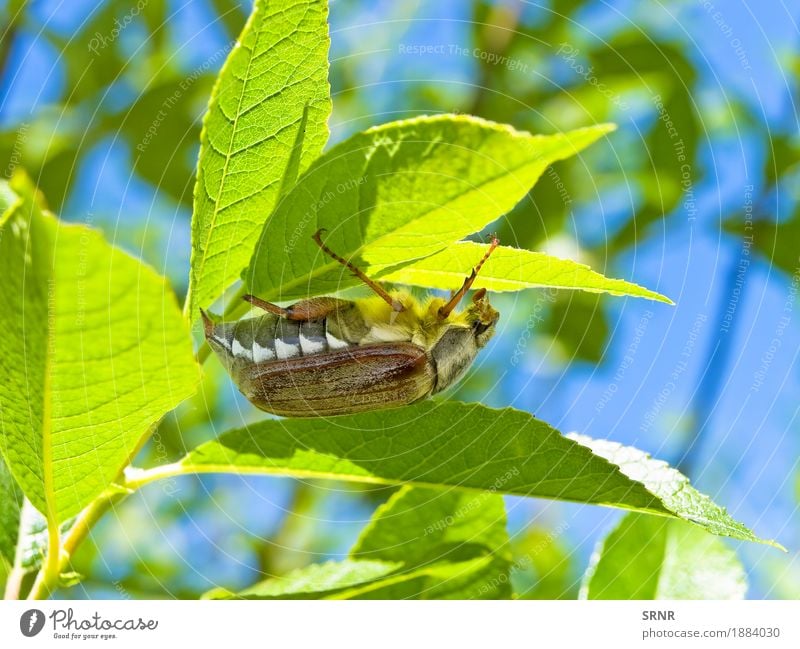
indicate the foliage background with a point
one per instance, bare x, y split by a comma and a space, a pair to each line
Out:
705, 100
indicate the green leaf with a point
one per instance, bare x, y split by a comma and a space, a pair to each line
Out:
267, 120
673, 489
94, 352
397, 193
647, 557
510, 269
10, 506
351, 579
420, 526
451, 444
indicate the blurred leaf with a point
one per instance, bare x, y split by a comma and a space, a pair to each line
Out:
419, 526
399, 192
162, 130
91, 57
543, 566
451, 444
510, 269
776, 242
96, 352
579, 324
314, 581
784, 155
349, 579
647, 557
231, 13
266, 122
422, 543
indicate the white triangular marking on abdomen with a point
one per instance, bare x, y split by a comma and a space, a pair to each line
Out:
240, 352
286, 350
261, 354
311, 345
334, 342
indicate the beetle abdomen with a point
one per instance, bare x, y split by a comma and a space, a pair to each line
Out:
272, 338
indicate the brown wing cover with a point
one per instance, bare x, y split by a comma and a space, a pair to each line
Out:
340, 382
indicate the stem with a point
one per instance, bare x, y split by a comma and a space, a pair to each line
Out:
17, 574
290, 528
51, 570
14, 583
135, 478
47, 579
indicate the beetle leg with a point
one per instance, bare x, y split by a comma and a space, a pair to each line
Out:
269, 307
377, 288
445, 310
303, 311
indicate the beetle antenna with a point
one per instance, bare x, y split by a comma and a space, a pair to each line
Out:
445, 310
377, 288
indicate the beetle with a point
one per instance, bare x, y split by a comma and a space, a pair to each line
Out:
327, 356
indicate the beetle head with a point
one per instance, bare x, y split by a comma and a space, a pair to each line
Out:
482, 317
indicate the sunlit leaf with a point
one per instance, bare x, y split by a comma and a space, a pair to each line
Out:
510, 269
420, 526
397, 193
462, 445
95, 352
10, 506
266, 122
647, 557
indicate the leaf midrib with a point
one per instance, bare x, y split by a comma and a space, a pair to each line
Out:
229, 154
48, 476
284, 471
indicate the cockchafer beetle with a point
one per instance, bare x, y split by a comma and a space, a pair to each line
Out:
327, 356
